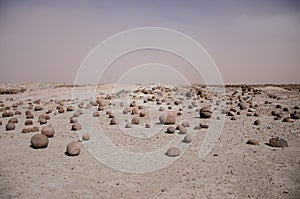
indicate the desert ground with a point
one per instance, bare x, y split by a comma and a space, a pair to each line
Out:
252, 131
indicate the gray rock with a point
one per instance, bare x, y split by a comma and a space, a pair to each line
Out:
171, 130
188, 138
86, 137
173, 152
278, 142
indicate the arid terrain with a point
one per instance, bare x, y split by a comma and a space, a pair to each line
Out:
252, 136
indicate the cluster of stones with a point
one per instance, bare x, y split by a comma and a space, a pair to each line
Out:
238, 103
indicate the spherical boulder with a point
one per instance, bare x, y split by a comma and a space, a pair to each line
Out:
48, 131
243, 105
73, 148
13, 120
128, 125
274, 113
168, 119
42, 120
29, 116
142, 114
114, 121
76, 127
125, 111
256, 122
38, 108
61, 110
135, 121
70, 108
205, 112
73, 120
18, 113
134, 111
96, 114
161, 108
100, 108
110, 114
10, 126
170, 130
86, 137
39, 141
173, 152
7, 114
185, 124
188, 138
77, 113
182, 130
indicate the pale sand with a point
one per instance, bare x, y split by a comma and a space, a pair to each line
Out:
232, 169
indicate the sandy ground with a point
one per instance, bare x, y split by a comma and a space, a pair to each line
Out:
232, 169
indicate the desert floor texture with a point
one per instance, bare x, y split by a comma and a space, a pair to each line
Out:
244, 162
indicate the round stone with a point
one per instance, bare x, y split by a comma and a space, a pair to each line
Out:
73, 120
96, 114
167, 119
135, 121
171, 130
86, 137
256, 122
48, 131
278, 142
188, 138
42, 120
185, 124
76, 126
13, 120
114, 121
39, 141
70, 108
173, 152
73, 148
205, 112
128, 125
10, 126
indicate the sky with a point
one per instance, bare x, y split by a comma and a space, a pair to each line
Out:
251, 42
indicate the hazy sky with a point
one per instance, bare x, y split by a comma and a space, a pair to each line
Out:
250, 41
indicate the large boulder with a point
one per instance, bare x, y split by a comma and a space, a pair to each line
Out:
39, 141
205, 112
173, 152
10, 126
48, 131
278, 142
135, 121
73, 148
168, 119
